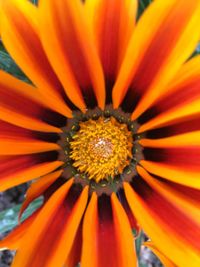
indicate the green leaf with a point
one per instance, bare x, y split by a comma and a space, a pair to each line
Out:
9, 217
8, 65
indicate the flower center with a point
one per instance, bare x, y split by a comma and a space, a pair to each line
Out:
101, 148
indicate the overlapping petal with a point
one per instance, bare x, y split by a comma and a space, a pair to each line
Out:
22, 105
12, 240
112, 23
15, 170
110, 229
168, 229
76, 47
18, 141
76, 62
19, 18
154, 56
185, 201
37, 189
170, 110
58, 219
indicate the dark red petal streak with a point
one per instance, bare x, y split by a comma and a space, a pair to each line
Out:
19, 169
18, 19
48, 244
178, 222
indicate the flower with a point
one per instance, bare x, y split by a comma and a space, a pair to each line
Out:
110, 125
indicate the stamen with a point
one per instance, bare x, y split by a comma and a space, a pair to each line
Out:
101, 148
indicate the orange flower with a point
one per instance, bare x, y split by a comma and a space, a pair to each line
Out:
111, 126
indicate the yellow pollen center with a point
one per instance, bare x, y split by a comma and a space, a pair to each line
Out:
101, 148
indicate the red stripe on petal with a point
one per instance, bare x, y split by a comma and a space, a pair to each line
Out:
17, 19
75, 253
179, 223
48, 231
76, 61
107, 249
132, 219
19, 169
187, 158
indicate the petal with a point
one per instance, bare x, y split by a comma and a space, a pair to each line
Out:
188, 73
89, 255
20, 169
51, 218
23, 147
21, 105
181, 140
159, 230
182, 201
193, 124
153, 57
76, 61
112, 23
20, 36
173, 173
132, 219
180, 223
106, 225
69, 232
57, 222
124, 235
37, 188
166, 262
75, 253
13, 239
180, 101
183, 112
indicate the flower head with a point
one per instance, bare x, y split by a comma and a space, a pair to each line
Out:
110, 125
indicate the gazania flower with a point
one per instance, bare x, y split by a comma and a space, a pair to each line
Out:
110, 125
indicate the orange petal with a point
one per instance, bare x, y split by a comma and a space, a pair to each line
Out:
22, 102
160, 233
37, 188
75, 253
124, 237
21, 147
187, 205
188, 73
28, 253
166, 262
18, 170
179, 222
106, 225
153, 57
63, 248
90, 227
27, 122
12, 240
76, 61
181, 113
173, 173
20, 37
181, 140
180, 95
112, 23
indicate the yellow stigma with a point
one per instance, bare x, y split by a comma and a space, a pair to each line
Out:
101, 148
